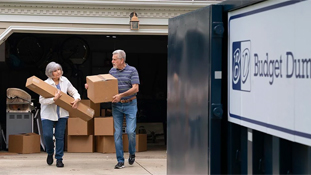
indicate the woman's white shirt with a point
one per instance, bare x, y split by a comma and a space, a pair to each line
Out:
48, 107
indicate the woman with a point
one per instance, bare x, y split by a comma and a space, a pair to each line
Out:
54, 116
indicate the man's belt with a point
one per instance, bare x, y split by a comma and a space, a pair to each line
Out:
128, 100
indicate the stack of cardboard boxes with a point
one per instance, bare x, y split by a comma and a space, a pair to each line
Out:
97, 134
104, 131
81, 133
101, 89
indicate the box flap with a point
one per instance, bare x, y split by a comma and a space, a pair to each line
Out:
107, 77
101, 77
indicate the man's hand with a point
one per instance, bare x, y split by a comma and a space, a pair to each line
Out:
86, 86
116, 98
57, 95
75, 103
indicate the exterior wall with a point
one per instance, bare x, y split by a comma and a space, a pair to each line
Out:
90, 17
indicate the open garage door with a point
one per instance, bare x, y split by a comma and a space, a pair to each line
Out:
27, 54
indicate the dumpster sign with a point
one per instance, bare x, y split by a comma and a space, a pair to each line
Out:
269, 68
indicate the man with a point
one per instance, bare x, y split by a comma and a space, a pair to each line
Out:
124, 104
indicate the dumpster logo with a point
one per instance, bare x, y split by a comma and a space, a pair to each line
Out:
241, 79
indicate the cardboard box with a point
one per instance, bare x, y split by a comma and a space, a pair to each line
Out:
105, 144
103, 126
77, 126
46, 90
141, 142
80, 144
40, 87
101, 88
94, 106
90, 104
24, 143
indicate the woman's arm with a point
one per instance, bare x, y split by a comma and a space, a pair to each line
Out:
74, 93
46, 101
51, 100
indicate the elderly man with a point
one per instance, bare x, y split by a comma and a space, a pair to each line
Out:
124, 104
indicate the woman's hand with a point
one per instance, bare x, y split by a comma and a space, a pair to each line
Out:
75, 103
58, 94
86, 86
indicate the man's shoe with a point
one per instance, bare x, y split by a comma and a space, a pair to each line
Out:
49, 159
132, 159
119, 165
59, 164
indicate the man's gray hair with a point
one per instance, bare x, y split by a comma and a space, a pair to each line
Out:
120, 53
51, 67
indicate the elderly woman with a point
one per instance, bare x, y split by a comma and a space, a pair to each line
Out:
53, 115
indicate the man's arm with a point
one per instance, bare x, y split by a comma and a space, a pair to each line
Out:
133, 90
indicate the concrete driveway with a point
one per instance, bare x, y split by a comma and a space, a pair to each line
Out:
149, 162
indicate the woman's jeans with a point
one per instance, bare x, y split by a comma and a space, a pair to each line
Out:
47, 128
118, 111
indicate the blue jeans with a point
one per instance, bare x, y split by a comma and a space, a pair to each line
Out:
118, 112
47, 129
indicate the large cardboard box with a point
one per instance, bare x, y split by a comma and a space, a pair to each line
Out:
24, 143
141, 142
103, 126
80, 144
105, 144
40, 87
101, 88
77, 126
46, 90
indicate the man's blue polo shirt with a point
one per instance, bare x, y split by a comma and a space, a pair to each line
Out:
126, 78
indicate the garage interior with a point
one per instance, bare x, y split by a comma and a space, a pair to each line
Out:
27, 54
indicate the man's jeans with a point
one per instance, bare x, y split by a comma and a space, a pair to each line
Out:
118, 112
47, 128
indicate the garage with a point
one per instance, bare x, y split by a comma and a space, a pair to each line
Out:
83, 55
81, 37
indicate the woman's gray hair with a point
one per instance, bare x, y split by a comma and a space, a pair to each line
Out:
120, 53
51, 67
